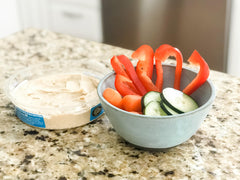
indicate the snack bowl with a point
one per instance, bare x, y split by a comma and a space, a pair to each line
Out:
156, 132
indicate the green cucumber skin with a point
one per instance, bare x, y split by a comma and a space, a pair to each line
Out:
143, 103
158, 111
192, 105
164, 109
170, 106
163, 106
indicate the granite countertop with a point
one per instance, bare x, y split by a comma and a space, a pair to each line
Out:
95, 151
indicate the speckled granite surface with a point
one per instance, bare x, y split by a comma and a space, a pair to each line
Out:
95, 151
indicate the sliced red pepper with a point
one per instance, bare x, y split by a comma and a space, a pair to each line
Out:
118, 66
147, 82
161, 54
202, 75
159, 70
125, 86
132, 73
144, 69
145, 55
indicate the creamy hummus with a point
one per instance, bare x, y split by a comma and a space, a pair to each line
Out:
64, 100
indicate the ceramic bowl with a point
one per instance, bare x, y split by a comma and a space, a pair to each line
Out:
159, 131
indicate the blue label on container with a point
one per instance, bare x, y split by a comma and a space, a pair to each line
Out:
30, 118
96, 111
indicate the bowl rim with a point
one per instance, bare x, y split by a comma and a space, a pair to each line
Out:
209, 101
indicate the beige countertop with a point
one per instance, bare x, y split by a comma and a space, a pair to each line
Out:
95, 151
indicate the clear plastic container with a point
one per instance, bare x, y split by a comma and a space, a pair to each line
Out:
64, 116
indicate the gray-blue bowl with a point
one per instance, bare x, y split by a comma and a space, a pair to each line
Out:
159, 131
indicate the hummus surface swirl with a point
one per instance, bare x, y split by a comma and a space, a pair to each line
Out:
57, 93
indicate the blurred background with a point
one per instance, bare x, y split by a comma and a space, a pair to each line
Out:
211, 27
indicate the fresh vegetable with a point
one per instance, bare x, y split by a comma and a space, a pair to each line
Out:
118, 66
178, 101
113, 97
132, 103
170, 102
202, 75
132, 73
125, 86
144, 69
154, 109
147, 82
162, 53
137, 92
145, 55
151, 96
159, 69
167, 109
151, 104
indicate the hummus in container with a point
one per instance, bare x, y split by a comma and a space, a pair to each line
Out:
55, 96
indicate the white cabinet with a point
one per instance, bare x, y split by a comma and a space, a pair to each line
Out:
81, 18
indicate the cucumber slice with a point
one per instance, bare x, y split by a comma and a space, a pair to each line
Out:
150, 96
178, 101
167, 109
154, 109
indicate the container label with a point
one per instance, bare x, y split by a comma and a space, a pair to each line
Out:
30, 118
96, 111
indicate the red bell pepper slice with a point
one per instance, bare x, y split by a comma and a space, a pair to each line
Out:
145, 55
161, 54
144, 69
118, 66
159, 69
132, 73
202, 75
147, 82
125, 86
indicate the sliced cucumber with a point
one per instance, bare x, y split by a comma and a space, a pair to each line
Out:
178, 101
150, 96
154, 109
167, 109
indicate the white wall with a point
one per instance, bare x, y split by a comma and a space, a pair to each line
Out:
233, 65
8, 17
